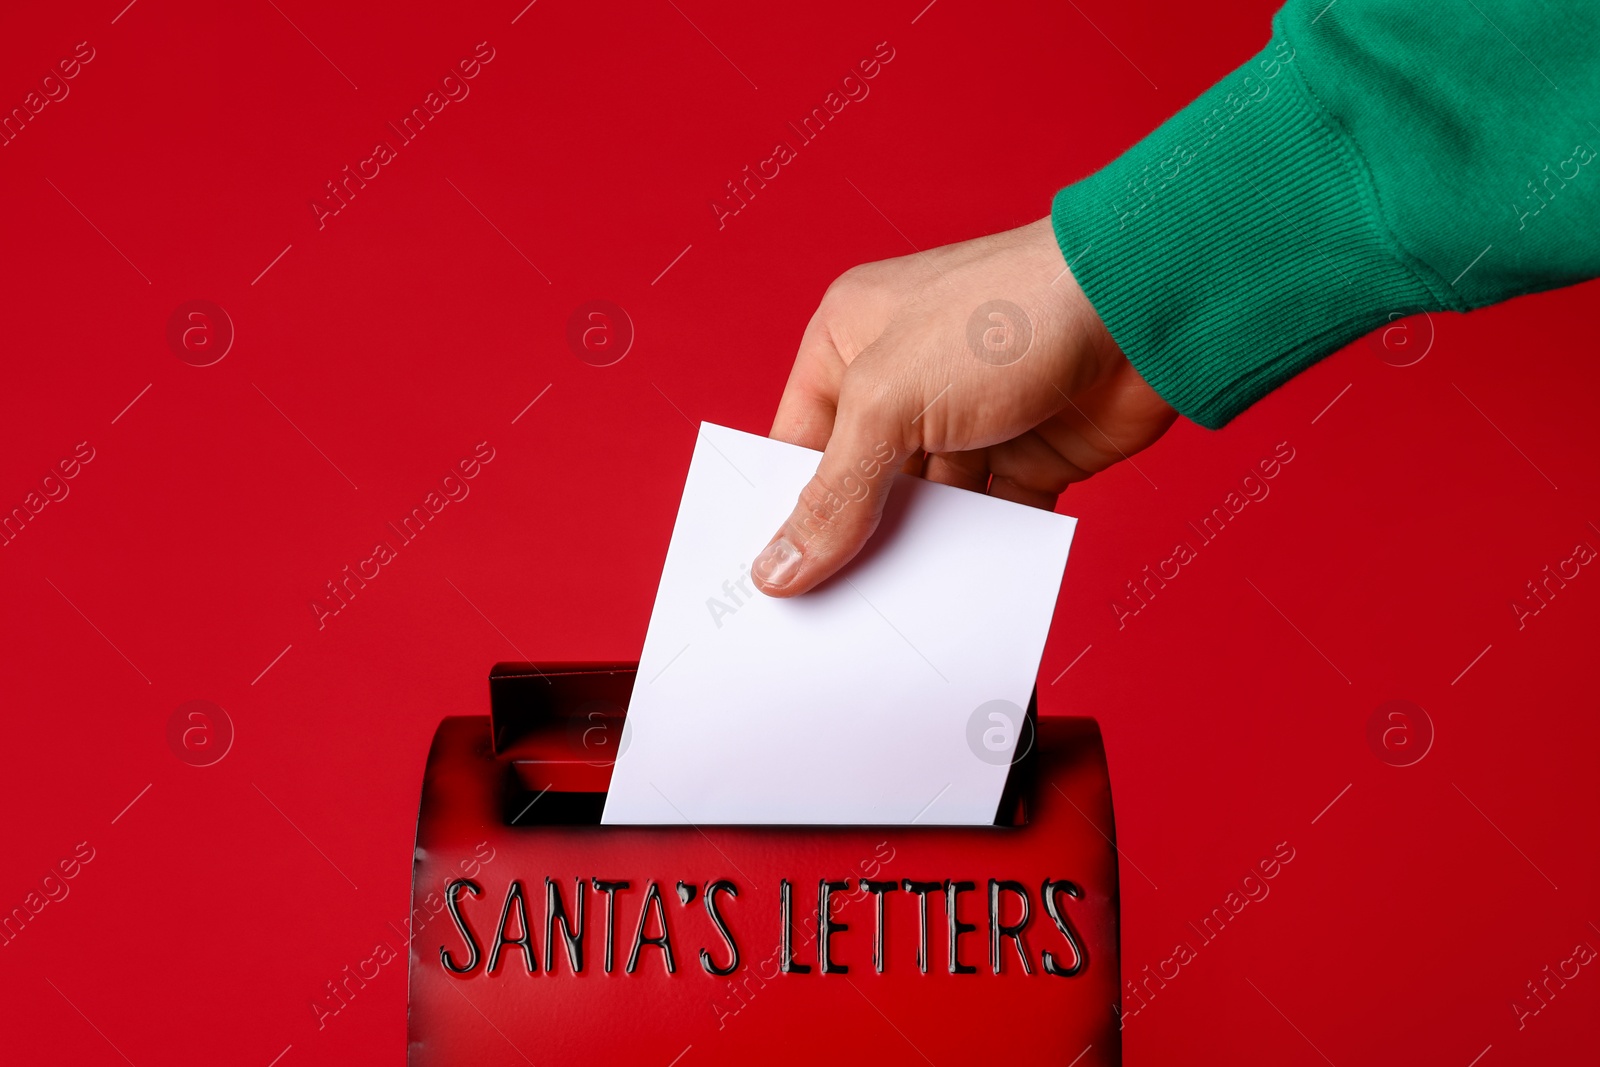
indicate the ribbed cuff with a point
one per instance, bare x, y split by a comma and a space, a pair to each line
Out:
1237, 244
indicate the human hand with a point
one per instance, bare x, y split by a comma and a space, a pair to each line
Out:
980, 365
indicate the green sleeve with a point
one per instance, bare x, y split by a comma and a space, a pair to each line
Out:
1376, 159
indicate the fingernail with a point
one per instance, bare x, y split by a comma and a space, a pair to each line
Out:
777, 563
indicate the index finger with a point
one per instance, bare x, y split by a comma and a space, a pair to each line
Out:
811, 396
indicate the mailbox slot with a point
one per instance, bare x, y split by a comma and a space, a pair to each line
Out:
559, 728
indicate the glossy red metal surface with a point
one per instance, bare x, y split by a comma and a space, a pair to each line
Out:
490, 851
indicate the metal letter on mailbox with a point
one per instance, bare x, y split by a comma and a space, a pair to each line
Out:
540, 936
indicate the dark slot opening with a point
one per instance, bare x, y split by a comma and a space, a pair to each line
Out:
558, 727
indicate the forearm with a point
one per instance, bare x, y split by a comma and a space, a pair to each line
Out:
1374, 159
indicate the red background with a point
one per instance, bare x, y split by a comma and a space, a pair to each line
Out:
181, 566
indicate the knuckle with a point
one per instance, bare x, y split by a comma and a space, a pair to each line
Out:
859, 284
852, 281
818, 499
819, 511
840, 293
868, 388
882, 399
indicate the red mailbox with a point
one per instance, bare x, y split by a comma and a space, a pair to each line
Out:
541, 936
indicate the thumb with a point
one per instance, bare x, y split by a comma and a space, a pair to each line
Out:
840, 506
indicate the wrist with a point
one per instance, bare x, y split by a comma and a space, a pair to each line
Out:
1237, 244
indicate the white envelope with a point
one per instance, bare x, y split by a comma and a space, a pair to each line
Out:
894, 693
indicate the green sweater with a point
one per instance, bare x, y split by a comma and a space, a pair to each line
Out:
1378, 158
